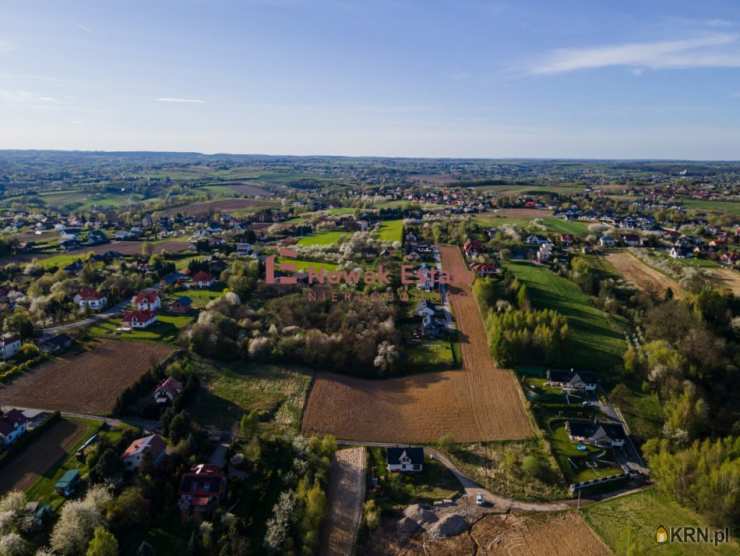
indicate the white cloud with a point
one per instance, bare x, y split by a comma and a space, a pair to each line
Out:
84, 28
705, 51
181, 100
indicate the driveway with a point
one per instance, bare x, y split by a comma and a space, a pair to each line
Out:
346, 496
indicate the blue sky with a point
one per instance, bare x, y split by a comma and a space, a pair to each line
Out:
643, 79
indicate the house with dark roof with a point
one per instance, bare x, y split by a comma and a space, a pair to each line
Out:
13, 425
201, 489
9, 346
54, 344
182, 305
203, 279
168, 390
597, 434
405, 459
571, 380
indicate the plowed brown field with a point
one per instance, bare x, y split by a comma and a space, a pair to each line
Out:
86, 383
641, 275
480, 402
35, 460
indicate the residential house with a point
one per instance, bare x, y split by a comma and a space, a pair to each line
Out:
147, 300
571, 380
168, 390
203, 279
405, 459
484, 269
201, 489
679, 252
607, 241
139, 319
632, 240
13, 424
598, 434
9, 346
182, 305
472, 248
54, 344
89, 298
152, 445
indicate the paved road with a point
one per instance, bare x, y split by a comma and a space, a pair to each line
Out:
346, 495
103, 315
145, 424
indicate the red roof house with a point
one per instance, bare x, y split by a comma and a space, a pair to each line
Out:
139, 319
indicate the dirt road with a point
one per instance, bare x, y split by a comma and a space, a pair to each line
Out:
346, 495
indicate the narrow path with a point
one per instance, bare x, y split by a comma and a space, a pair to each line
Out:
346, 496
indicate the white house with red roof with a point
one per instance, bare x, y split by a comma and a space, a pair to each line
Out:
139, 319
203, 279
137, 450
13, 424
147, 300
168, 390
9, 346
89, 298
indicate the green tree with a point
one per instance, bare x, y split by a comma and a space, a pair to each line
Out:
103, 543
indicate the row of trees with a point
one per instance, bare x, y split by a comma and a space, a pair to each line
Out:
518, 336
704, 475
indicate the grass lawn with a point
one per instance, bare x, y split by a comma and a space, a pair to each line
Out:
398, 490
323, 238
278, 392
200, 298
431, 356
166, 329
43, 489
727, 207
481, 461
644, 414
391, 230
636, 517
62, 260
595, 341
305, 265
573, 462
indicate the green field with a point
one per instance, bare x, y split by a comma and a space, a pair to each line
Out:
595, 341
725, 207
635, 518
300, 264
431, 356
323, 238
276, 392
200, 298
62, 260
166, 329
391, 230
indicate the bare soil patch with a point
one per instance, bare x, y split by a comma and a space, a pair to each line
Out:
346, 495
88, 383
641, 275
552, 534
23, 469
480, 402
728, 278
